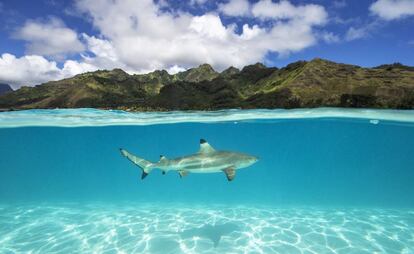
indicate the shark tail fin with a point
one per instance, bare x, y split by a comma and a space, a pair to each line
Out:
144, 165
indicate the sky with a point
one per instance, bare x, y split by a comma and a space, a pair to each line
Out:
46, 40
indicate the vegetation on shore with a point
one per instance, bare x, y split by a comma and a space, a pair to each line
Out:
316, 83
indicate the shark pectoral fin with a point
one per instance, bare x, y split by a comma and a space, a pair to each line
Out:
144, 174
230, 173
182, 173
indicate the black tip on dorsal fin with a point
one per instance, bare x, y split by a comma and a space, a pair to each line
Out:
161, 156
202, 141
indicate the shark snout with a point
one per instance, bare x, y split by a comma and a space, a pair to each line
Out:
253, 159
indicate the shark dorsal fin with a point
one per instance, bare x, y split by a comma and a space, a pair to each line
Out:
163, 158
205, 147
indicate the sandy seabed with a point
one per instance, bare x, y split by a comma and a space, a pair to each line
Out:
165, 228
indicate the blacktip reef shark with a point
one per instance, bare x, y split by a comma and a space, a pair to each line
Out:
207, 160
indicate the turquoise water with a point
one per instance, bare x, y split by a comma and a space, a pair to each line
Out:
328, 181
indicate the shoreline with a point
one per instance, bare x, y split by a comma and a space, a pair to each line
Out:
165, 110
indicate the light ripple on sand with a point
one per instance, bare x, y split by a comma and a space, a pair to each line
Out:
132, 228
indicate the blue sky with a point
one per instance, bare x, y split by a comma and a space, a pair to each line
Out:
53, 39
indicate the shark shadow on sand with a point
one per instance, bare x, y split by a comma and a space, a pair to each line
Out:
208, 231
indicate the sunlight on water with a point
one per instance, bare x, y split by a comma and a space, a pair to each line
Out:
130, 228
95, 117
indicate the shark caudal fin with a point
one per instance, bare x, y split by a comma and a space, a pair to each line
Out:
145, 165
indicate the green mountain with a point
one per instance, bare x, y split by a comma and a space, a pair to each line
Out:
315, 83
4, 88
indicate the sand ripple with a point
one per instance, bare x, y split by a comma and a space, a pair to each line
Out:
130, 228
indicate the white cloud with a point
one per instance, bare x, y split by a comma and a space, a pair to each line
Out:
137, 36
356, 33
175, 69
392, 9
51, 38
103, 55
361, 32
71, 68
27, 70
250, 33
209, 26
145, 38
284, 10
329, 37
235, 8
32, 70
310, 14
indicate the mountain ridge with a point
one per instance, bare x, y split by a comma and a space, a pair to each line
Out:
315, 83
5, 88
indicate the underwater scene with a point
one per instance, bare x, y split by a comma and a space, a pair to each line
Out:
321, 180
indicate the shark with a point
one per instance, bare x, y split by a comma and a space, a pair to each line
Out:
206, 160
